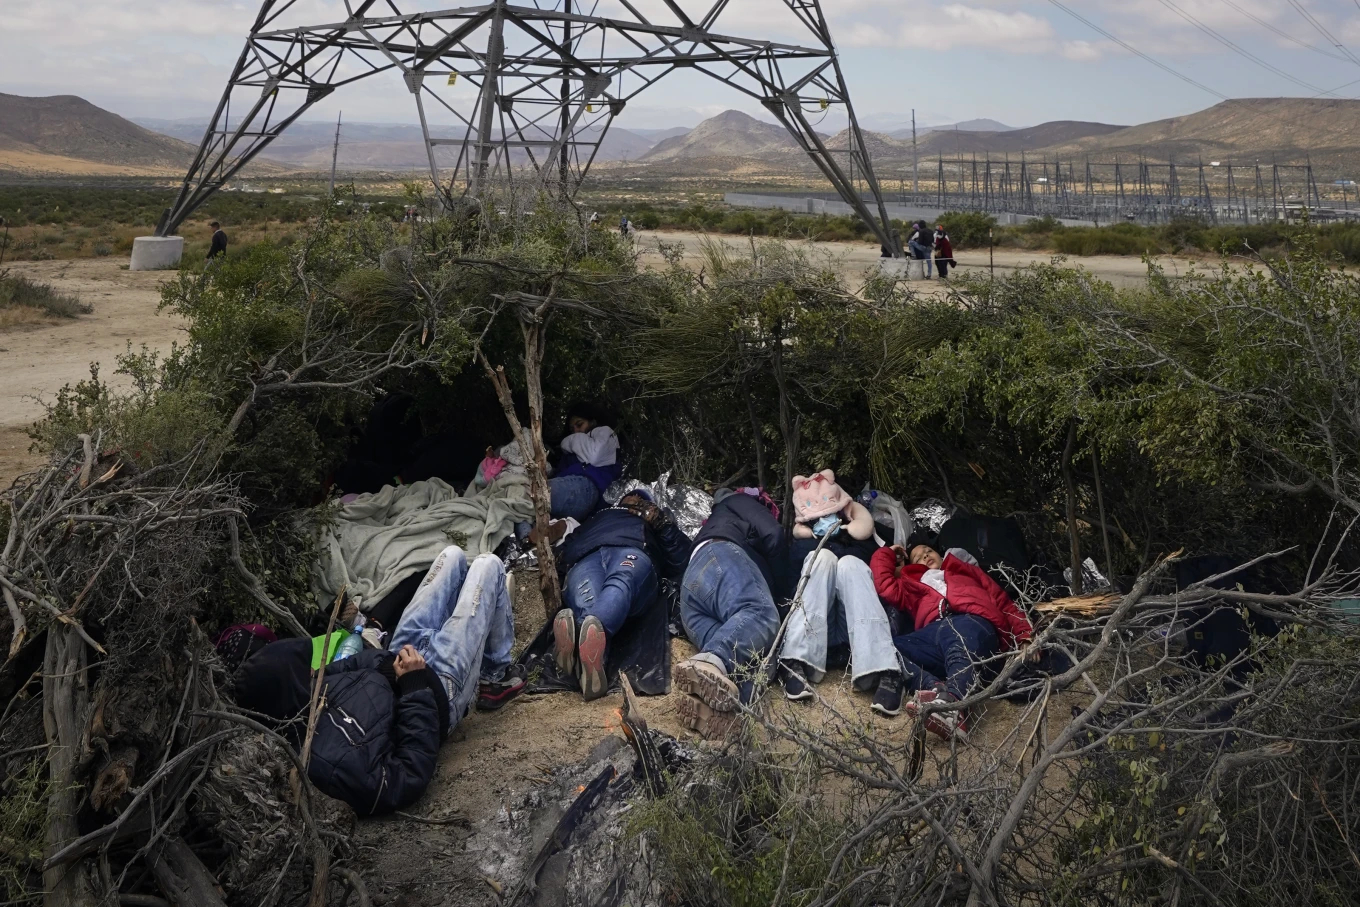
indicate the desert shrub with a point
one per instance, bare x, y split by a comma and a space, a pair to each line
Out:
1039, 225
18, 290
1120, 239
968, 229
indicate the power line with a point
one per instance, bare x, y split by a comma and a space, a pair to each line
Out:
1322, 30
1286, 35
1133, 50
1238, 49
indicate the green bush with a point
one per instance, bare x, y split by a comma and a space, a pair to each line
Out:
968, 229
18, 290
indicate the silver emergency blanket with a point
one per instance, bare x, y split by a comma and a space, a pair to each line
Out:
690, 505
932, 514
1092, 580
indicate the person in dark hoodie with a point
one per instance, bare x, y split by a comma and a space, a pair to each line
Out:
384, 713
727, 605
613, 563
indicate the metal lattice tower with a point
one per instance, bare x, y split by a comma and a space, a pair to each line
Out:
549, 77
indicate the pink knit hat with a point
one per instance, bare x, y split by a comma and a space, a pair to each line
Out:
817, 496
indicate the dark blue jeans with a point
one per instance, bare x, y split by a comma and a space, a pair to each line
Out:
573, 496
612, 584
726, 607
948, 648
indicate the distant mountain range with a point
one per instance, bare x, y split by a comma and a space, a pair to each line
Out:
66, 135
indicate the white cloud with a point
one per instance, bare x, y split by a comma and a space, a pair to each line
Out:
956, 25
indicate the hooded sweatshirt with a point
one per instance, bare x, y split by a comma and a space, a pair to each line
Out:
593, 454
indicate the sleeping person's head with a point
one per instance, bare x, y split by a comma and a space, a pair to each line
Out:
924, 554
582, 417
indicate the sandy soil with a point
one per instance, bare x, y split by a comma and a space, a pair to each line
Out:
37, 360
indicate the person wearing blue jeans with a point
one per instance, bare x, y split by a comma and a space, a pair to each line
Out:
588, 465
942, 658
613, 565
727, 606
461, 626
921, 244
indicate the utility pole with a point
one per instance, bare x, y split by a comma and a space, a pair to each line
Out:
335, 152
915, 165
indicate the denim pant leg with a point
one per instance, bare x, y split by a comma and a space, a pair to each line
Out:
726, 607
805, 639
612, 584
432, 604
871, 643
922, 656
474, 642
572, 496
964, 640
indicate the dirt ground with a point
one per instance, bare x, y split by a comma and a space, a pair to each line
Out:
36, 360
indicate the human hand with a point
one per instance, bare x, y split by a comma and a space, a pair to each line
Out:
408, 659
1033, 654
900, 553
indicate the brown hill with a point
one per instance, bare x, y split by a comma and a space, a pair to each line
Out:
70, 128
1241, 130
1045, 135
729, 134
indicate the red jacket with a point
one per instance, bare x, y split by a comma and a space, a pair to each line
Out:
971, 591
943, 248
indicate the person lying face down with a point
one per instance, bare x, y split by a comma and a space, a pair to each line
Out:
839, 601
384, 712
612, 564
961, 616
727, 606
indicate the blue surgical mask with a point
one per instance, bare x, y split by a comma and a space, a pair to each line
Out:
826, 524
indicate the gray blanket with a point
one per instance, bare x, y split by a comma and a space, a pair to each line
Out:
380, 539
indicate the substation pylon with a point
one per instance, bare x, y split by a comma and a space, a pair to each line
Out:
533, 87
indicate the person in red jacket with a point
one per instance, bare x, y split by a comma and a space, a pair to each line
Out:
960, 615
944, 252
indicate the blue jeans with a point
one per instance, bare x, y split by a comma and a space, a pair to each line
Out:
950, 648
840, 605
919, 251
726, 607
573, 496
612, 584
461, 623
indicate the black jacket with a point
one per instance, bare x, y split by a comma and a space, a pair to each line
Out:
741, 519
377, 737
668, 548
219, 244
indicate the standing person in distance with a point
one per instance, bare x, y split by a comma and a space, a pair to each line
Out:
944, 252
218, 247
920, 244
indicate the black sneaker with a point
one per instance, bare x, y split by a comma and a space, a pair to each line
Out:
493, 694
888, 697
795, 688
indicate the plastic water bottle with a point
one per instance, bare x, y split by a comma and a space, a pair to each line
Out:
353, 643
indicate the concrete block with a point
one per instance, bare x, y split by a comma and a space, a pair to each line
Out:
156, 253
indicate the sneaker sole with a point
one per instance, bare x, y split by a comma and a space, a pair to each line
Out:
885, 711
711, 690
564, 643
591, 654
799, 697
704, 720
944, 730
492, 703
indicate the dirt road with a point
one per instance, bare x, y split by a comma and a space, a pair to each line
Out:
37, 360
852, 259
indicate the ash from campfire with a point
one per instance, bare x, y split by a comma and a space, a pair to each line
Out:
560, 844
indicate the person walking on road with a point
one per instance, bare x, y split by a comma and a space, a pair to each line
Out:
944, 252
218, 248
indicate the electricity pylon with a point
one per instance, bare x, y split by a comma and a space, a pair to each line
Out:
533, 87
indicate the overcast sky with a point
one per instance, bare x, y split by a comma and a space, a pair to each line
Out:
1018, 61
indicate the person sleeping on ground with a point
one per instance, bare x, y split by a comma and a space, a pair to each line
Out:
840, 603
613, 563
727, 606
961, 617
384, 712
589, 464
